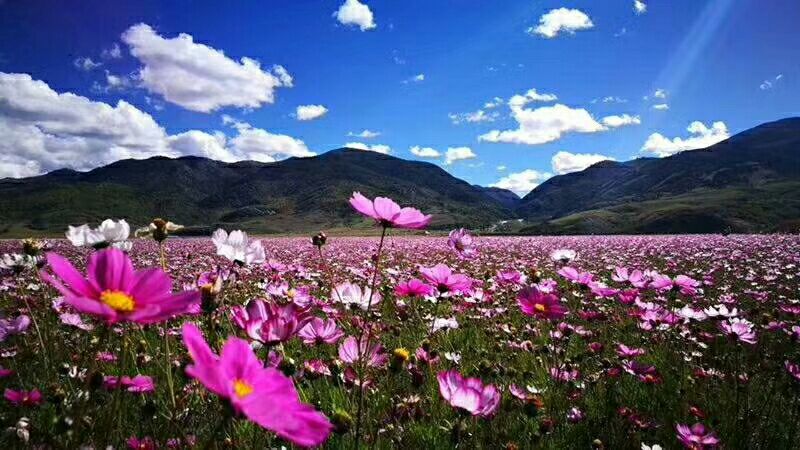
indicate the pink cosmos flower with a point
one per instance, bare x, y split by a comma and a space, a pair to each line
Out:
317, 367
626, 352
10, 327
350, 352
320, 331
509, 277
388, 214
565, 374
534, 302
793, 369
116, 292
469, 394
576, 276
460, 241
145, 443
413, 288
740, 329
263, 395
696, 437
271, 323
23, 398
443, 279
140, 384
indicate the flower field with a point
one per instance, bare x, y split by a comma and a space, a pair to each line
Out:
399, 341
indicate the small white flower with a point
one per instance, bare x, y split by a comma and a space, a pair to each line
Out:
453, 357
352, 295
236, 247
109, 233
442, 323
563, 255
651, 447
17, 262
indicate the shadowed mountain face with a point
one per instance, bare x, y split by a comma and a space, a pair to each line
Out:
295, 195
728, 185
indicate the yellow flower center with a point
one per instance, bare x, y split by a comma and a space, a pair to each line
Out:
540, 307
242, 389
291, 293
117, 300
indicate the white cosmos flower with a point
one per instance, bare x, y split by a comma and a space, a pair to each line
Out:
109, 233
563, 255
236, 247
442, 323
17, 262
352, 294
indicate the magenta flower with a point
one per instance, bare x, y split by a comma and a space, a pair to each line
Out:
739, 329
116, 292
263, 395
10, 327
793, 369
696, 437
350, 352
275, 323
443, 279
626, 352
320, 331
509, 277
413, 288
140, 384
388, 214
468, 394
572, 274
460, 241
534, 302
145, 443
23, 398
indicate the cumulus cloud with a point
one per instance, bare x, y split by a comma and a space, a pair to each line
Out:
454, 154
661, 107
198, 77
45, 130
355, 13
660, 93
561, 20
545, 124
494, 103
86, 64
621, 121
365, 134
520, 100
700, 136
115, 52
425, 152
566, 162
523, 182
639, 6
378, 148
310, 112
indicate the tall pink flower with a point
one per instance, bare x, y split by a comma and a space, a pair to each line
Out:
350, 352
534, 302
443, 279
413, 288
320, 331
461, 242
469, 394
696, 437
263, 395
389, 214
116, 292
271, 323
23, 398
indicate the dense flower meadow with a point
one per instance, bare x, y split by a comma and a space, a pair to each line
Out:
398, 341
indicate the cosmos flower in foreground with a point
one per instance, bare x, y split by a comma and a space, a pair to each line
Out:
350, 352
696, 437
389, 214
263, 395
237, 247
116, 292
740, 329
534, 302
413, 288
109, 233
469, 394
23, 398
320, 331
443, 279
461, 242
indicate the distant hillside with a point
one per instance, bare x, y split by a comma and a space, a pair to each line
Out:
294, 195
750, 182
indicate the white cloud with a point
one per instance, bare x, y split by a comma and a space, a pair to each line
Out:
415, 79
639, 6
700, 136
545, 124
522, 182
473, 117
661, 107
660, 93
520, 100
611, 99
561, 20
45, 130
501, 168
353, 12
494, 103
454, 154
365, 134
86, 64
378, 148
310, 112
115, 52
769, 84
566, 162
198, 77
621, 121
425, 152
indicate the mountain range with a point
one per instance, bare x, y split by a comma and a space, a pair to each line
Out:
748, 183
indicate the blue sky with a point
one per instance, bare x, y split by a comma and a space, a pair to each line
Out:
410, 73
